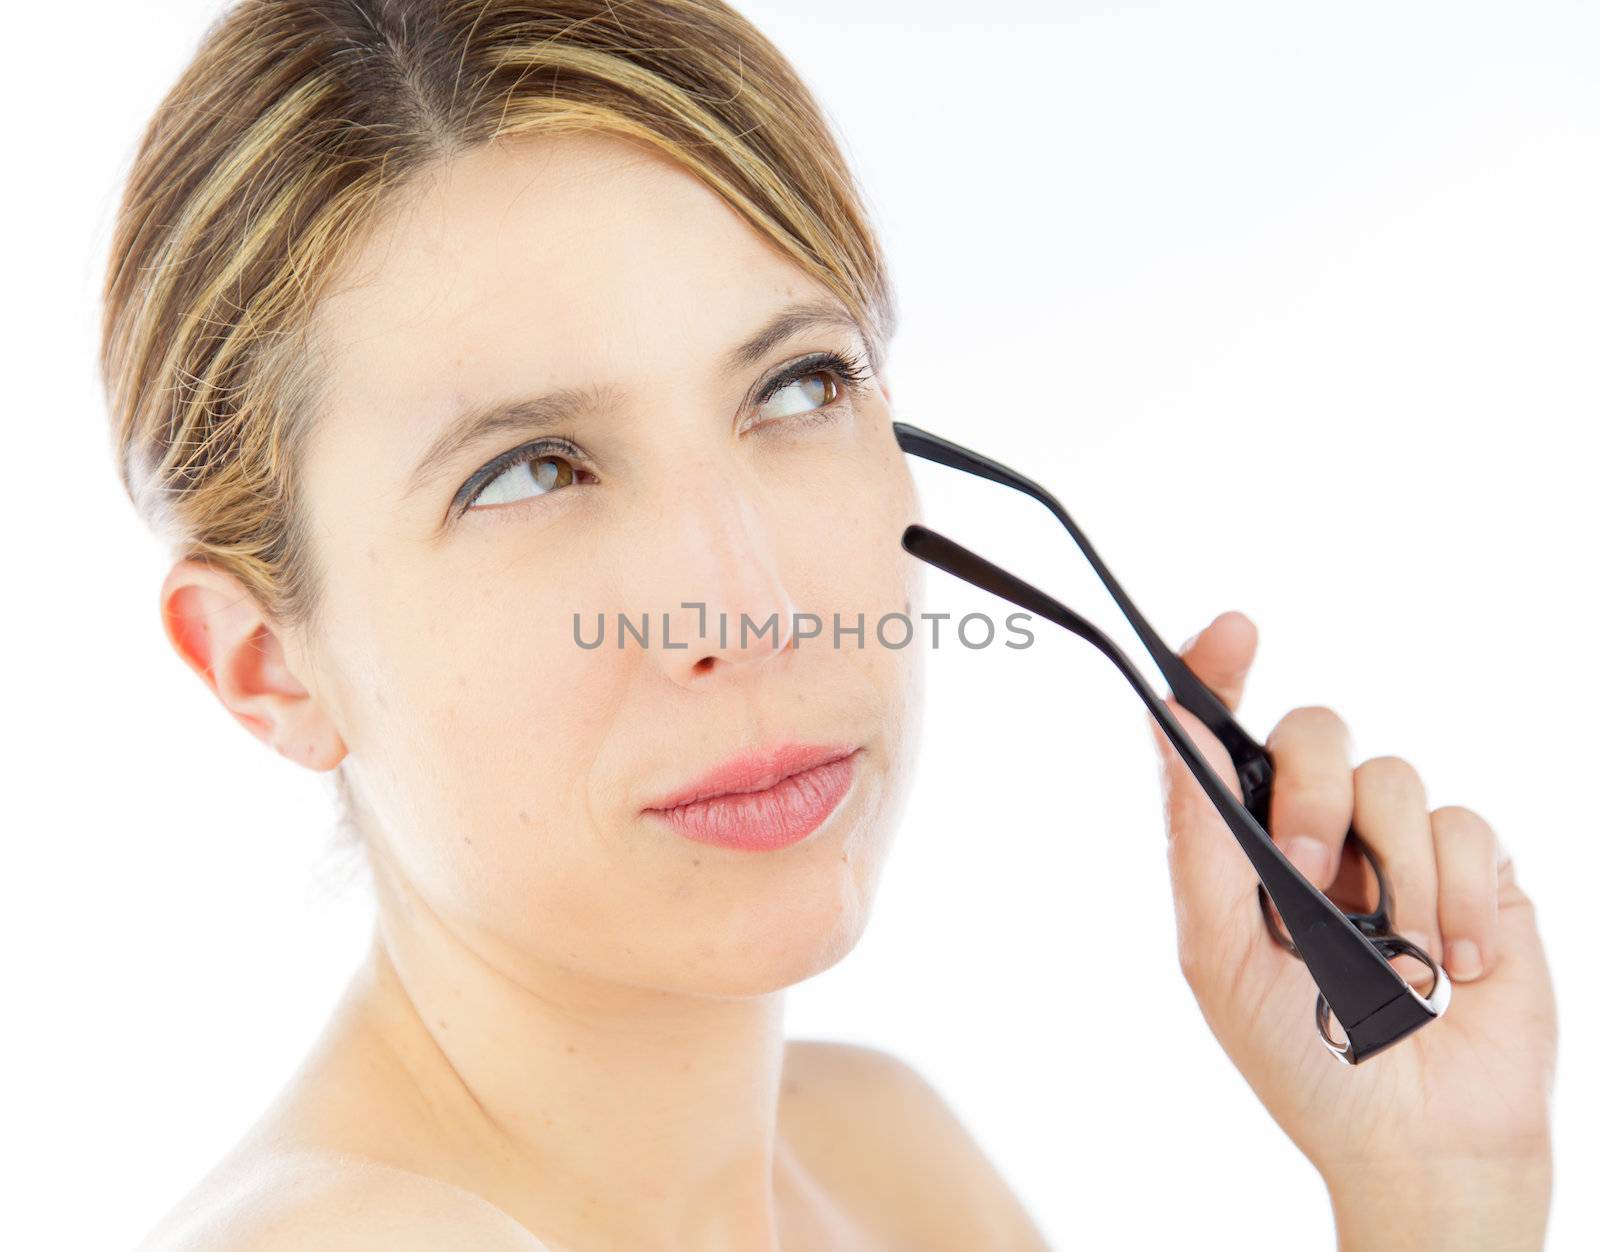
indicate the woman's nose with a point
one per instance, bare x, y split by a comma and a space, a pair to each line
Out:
717, 600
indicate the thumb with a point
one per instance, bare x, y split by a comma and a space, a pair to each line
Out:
1211, 875
1220, 656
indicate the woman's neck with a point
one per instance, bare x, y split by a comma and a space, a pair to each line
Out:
593, 1112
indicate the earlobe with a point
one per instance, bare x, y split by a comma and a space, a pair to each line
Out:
220, 632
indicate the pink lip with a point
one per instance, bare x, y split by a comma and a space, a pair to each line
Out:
762, 800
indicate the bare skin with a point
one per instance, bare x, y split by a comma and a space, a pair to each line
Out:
1442, 1141
568, 1033
570, 1026
353, 1154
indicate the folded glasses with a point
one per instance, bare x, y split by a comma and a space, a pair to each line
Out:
1348, 954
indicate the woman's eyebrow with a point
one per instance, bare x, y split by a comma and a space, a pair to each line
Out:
789, 321
523, 417
567, 405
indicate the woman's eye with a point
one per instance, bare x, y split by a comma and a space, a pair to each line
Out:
533, 476
790, 400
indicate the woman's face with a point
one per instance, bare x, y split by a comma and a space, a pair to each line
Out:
506, 768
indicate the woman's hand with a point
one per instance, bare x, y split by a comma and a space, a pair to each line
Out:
1455, 1117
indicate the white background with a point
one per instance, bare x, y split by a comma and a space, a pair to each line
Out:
1296, 306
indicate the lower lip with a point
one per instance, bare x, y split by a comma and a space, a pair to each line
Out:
761, 821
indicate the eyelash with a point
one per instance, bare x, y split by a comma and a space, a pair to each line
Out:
851, 371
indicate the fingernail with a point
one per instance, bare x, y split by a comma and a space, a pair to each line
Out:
1465, 960
1310, 857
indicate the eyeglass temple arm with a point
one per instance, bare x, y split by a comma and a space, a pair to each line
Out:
1374, 1005
1250, 759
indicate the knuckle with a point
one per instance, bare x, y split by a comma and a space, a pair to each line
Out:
1389, 774
1191, 961
1514, 900
1319, 713
1457, 819
1466, 903
1318, 792
1310, 718
1510, 888
1456, 825
1388, 765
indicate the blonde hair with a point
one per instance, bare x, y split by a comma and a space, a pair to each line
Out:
273, 151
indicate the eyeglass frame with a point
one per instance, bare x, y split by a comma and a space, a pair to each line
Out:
1347, 953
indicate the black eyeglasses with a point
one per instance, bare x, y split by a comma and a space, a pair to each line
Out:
1348, 954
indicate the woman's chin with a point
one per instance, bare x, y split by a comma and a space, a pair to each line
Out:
765, 945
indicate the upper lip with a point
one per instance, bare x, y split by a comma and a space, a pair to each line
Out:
754, 770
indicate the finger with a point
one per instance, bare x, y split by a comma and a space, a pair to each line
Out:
1519, 952
1468, 857
1391, 814
1312, 790
1213, 881
1525, 994
1211, 874
1221, 654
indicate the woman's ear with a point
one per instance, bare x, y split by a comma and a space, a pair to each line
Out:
221, 633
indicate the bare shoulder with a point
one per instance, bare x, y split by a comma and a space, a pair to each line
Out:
330, 1202
881, 1136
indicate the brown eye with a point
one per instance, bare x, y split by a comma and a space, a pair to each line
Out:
535, 475
803, 395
